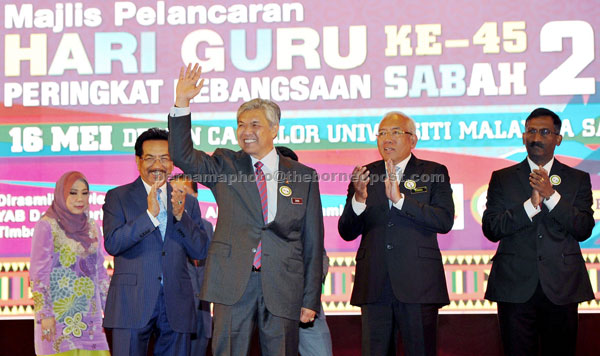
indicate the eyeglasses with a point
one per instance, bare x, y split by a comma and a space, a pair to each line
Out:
392, 133
149, 160
542, 132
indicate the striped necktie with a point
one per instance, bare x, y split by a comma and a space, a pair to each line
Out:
264, 203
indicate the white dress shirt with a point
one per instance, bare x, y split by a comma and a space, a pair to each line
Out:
270, 167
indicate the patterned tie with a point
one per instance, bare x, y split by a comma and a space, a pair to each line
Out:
262, 190
162, 216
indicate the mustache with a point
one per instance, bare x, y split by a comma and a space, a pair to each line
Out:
158, 172
536, 144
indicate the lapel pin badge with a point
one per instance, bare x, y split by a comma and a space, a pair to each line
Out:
296, 200
555, 179
285, 191
410, 184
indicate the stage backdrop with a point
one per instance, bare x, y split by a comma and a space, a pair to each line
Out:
80, 81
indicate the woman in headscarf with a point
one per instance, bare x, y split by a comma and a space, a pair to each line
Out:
68, 278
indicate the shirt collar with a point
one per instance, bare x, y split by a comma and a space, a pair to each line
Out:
400, 167
547, 166
270, 161
402, 164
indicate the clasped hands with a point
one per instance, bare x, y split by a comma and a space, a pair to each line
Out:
177, 200
542, 187
360, 179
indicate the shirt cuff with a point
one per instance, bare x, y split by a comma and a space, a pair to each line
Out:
552, 200
399, 204
153, 218
358, 207
531, 210
177, 112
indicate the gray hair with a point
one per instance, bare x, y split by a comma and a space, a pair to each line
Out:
271, 110
411, 123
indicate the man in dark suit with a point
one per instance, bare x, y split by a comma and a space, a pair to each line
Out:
314, 337
151, 230
539, 210
264, 264
399, 282
200, 338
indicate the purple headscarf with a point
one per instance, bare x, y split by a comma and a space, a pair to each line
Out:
75, 226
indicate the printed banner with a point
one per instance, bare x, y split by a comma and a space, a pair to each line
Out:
81, 80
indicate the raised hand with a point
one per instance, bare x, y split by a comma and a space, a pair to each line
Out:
536, 199
539, 180
178, 202
360, 179
392, 191
153, 206
187, 85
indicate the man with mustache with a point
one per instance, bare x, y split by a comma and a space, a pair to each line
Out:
264, 264
399, 205
151, 230
539, 210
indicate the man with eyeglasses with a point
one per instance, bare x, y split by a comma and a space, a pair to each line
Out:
151, 230
539, 210
399, 205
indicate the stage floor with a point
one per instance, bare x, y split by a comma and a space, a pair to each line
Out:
459, 335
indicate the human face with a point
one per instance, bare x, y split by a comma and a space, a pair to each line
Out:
78, 197
184, 185
540, 149
255, 133
155, 165
395, 147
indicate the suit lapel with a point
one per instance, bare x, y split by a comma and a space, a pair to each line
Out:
523, 171
558, 170
249, 190
139, 196
283, 202
379, 200
414, 168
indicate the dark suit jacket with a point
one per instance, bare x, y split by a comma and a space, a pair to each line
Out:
545, 250
197, 275
403, 242
292, 244
142, 259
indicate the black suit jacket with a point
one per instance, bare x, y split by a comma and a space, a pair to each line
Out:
292, 244
403, 242
545, 249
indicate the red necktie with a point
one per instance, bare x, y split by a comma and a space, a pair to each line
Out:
262, 190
